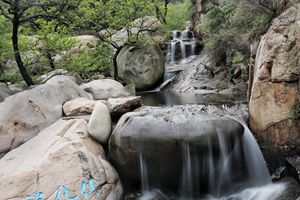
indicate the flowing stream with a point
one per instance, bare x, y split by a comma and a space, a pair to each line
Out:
236, 170
182, 46
229, 169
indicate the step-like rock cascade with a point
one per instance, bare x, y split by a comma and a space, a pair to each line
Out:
182, 46
183, 152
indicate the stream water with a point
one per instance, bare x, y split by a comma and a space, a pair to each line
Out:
235, 170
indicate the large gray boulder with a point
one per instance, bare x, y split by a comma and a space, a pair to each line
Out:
104, 89
61, 156
160, 135
140, 65
25, 114
58, 72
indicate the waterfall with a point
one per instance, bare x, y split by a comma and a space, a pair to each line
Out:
238, 156
230, 168
187, 181
144, 174
182, 46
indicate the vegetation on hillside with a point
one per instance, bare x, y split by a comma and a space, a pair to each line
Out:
38, 36
231, 26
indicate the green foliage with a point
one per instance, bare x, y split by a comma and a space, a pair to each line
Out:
218, 17
11, 75
5, 42
88, 62
178, 15
231, 26
53, 39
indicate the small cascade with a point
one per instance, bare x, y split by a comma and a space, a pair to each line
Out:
182, 46
230, 168
187, 174
144, 174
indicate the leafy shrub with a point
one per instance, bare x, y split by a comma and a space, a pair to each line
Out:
231, 27
88, 62
178, 15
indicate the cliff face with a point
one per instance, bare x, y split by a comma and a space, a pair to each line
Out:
275, 96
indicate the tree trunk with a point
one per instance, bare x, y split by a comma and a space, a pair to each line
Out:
15, 41
166, 11
51, 63
115, 64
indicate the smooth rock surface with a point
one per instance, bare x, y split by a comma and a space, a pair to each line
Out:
121, 105
105, 88
99, 126
275, 97
160, 135
25, 114
142, 66
4, 91
61, 155
79, 106
75, 77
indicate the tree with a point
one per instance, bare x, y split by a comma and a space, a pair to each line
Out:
20, 12
161, 14
54, 39
109, 17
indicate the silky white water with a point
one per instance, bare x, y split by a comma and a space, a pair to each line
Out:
236, 171
182, 46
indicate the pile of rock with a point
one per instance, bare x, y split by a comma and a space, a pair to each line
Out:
51, 136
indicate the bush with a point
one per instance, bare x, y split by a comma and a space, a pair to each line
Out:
178, 15
89, 61
231, 27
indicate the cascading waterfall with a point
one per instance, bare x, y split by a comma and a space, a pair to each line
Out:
229, 169
144, 174
182, 46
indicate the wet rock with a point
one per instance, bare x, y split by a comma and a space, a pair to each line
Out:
99, 126
153, 195
25, 114
61, 155
160, 135
121, 105
140, 65
293, 164
105, 88
292, 190
278, 174
79, 106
